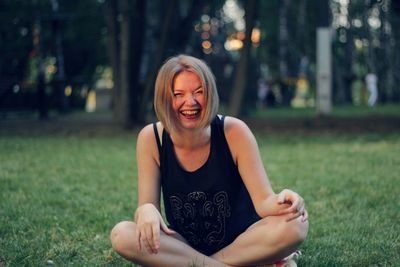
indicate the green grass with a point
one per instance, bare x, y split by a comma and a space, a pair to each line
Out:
61, 195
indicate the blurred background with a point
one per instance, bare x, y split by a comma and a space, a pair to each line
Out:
59, 57
316, 80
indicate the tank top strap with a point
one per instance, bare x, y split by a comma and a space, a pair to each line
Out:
157, 137
223, 120
218, 123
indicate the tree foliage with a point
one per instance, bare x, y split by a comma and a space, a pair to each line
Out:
135, 37
29, 26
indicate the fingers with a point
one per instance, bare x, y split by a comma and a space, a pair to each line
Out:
152, 242
148, 220
145, 243
166, 230
148, 237
293, 216
150, 246
156, 239
297, 207
305, 216
282, 197
139, 247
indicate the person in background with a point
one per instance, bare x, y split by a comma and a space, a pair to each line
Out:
372, 85
218, 201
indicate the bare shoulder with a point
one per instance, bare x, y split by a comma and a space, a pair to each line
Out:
235, 128
147, 135
146, 146
239, 137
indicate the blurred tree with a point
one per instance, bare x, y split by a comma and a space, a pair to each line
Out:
111, 14
42, 104
126, 25
269, 48
177, 22
364, 41
84, 37
59, 79
394, 20
145, 105
81, 33
283, 40
343, 48
139, 35
286, 43
386, 52
16, 24
241, 82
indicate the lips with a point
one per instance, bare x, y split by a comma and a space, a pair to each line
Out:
190, 114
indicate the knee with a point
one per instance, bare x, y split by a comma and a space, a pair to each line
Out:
289, 234
123, 239
118, 234
295, 231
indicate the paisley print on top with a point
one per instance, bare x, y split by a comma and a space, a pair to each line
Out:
198, 213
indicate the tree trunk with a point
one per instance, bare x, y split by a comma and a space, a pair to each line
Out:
138, 35
371, 61
283, 39
387, 74
145, 105
395, 21
301, 29
111, 13
346, 73
283, 53
235, 105
123, 108
184, 27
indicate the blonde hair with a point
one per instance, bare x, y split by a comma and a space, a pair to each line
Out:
163, 95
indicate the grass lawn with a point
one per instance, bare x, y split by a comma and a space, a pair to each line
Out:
61, 195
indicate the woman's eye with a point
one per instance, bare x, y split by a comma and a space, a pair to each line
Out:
199, 92
177, 94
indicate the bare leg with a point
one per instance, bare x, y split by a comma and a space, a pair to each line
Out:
265, 242
173, 251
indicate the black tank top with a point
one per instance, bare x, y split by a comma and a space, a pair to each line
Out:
211, 206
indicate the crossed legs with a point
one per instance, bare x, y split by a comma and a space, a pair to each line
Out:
265, 242
174, 251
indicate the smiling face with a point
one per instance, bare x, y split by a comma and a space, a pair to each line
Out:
174, 106
188, 99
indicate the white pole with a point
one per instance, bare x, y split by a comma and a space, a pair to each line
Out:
324, 71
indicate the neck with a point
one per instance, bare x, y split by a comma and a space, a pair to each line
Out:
189, 139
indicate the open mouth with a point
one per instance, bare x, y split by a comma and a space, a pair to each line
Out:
190, 114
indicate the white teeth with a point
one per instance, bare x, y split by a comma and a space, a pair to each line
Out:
190, 112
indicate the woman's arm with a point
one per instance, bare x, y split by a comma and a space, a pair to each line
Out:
147, 216
148, 168
251, 168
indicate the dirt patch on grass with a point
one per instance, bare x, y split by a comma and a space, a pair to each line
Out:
376, 124
105, 125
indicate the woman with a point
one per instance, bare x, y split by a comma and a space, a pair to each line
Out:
218, 201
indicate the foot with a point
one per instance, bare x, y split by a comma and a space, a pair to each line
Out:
286, 262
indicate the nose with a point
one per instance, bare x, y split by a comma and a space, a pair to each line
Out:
191, 99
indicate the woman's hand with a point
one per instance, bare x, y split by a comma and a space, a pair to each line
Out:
296, 202
148, 224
